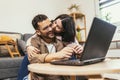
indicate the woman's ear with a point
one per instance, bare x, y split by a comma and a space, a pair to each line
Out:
38, 32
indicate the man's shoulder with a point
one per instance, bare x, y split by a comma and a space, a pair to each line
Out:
35, 39
35, 36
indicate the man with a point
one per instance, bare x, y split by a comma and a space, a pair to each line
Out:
49, 47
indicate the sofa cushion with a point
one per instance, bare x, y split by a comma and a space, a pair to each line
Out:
9, 73
21, 46
4, 38
22, 43
26, 36
10, 62
14, 36
4, 52
9, 67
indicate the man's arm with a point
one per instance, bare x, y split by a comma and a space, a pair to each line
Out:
46, 57
66, 52
42, 58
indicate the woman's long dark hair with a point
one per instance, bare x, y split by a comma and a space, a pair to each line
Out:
69, 33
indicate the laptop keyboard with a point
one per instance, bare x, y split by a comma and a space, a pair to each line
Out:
67, 62
77, 62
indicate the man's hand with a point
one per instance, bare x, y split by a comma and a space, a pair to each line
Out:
32, 51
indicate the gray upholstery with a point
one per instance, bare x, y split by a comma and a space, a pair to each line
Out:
26, 36
21, 46
9, 67
13, 62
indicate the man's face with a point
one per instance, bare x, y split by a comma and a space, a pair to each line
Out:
45, 29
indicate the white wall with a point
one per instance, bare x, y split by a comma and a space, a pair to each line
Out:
16, 15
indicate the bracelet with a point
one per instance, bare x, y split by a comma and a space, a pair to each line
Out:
45, 57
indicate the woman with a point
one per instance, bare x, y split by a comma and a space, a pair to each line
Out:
64, 26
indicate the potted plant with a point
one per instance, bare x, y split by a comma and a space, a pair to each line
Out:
73, 8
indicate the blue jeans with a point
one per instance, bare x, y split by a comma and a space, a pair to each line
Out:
23, 71
73, 57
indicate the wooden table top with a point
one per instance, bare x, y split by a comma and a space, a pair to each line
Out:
107, 66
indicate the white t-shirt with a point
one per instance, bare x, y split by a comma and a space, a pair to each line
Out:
51, 48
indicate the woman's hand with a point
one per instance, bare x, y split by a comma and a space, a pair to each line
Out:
78, 49
32, 50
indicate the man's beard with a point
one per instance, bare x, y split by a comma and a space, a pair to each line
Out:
47, 39
48, 36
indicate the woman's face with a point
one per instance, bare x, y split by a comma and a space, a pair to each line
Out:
57, 26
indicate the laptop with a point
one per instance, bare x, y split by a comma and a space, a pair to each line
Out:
96, 46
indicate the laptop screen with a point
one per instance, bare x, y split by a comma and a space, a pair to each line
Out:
99, 39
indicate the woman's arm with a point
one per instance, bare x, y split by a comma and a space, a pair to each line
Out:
31, 50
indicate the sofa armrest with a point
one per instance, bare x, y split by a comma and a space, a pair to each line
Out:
9, 67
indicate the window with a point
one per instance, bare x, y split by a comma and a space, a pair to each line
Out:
109, 11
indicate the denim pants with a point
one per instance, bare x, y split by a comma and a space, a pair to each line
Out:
23, 71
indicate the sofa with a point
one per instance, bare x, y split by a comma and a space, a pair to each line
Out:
9, 67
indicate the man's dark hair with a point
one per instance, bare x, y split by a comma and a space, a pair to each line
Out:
38, 18
69, 28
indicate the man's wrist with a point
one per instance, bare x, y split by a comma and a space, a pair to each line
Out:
50, 57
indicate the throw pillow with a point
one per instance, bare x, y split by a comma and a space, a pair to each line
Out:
22, 45
5, 38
